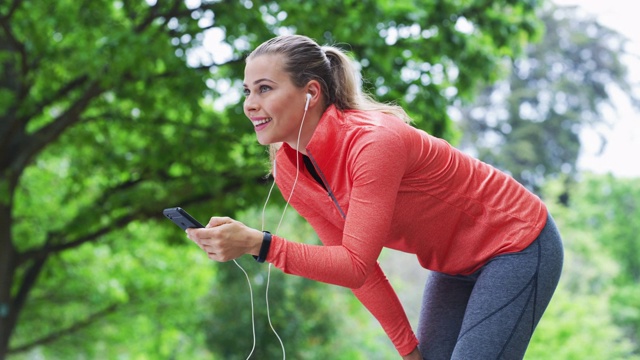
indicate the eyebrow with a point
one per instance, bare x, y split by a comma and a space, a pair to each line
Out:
259, 81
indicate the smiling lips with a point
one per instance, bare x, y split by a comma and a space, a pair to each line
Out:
259, 124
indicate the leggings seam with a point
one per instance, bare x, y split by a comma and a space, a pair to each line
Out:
535, 288
534, 293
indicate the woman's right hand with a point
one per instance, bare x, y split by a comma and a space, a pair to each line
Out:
225, 239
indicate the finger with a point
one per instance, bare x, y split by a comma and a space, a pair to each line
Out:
219, 220
219, 257
199, 234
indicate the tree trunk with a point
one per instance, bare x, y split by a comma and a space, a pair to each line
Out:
8, 316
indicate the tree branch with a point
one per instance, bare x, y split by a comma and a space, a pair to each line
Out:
12, 77
48, 250
57, 334
5, 25
154, 14
53, 245
28, 281
49, 133
208, 67
12, 9
62, 92
10, 132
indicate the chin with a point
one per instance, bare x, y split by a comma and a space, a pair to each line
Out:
264, 141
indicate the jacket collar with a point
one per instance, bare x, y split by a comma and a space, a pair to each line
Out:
327, 139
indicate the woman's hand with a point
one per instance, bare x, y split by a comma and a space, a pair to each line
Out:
225, 239
414, 355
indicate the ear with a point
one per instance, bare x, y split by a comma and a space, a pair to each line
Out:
315, 90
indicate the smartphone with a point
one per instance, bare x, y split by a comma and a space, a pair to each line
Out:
181, 218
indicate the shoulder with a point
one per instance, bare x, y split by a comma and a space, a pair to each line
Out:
375, 129
377, 138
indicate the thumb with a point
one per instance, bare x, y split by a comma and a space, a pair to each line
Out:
218, 220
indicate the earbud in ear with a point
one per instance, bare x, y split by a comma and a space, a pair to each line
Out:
306, 106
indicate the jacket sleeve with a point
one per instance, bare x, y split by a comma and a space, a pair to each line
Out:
378, 297
376, 166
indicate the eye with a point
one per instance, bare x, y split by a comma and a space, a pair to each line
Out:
264, 88
246, 92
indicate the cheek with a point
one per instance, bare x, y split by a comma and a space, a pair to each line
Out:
280, 111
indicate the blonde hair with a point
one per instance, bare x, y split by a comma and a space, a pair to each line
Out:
305, 60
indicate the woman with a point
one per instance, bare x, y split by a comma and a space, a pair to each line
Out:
494, 252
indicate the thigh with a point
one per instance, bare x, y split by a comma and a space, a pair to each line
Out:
443, 306
510, 295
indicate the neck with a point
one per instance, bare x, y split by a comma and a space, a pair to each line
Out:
308, 125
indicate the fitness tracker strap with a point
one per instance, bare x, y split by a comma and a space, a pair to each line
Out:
264, 249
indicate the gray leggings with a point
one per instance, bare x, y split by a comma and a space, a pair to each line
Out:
492, 313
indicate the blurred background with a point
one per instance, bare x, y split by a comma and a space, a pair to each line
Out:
111, 111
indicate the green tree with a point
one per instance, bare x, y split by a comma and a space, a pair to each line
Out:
595, 312
107, 116
530, 123
609, 207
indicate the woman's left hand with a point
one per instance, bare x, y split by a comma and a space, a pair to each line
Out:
414, 355
225, 239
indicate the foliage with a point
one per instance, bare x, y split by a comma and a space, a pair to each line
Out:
594, 313
422, 54
124, 295
608, 207
112, 110
579, 326
529, 124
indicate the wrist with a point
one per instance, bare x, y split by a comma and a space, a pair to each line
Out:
265, 245
255, 243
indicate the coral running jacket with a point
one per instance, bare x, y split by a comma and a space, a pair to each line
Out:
388, 184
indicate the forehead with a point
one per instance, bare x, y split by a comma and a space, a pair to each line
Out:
268, 66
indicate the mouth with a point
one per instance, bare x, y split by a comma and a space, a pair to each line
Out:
259, 124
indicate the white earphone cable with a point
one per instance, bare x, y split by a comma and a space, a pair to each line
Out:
253, 317
295, 181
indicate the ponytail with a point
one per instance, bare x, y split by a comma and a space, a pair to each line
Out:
346, 92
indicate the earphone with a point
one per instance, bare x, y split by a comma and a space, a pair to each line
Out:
306, 106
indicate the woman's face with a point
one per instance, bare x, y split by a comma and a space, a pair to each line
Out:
273, 104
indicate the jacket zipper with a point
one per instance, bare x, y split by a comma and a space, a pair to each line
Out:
326, 185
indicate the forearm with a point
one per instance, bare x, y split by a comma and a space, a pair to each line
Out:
380, 299
334, 265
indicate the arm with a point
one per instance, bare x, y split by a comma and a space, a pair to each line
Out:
349, 257
375, 166
378, 297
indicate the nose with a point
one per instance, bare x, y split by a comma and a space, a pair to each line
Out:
249, 104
